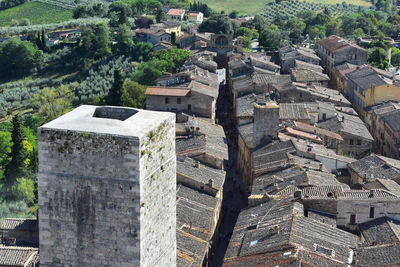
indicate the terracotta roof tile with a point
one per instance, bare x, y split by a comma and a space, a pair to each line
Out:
167, 91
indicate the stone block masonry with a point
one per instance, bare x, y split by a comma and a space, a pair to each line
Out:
107, 188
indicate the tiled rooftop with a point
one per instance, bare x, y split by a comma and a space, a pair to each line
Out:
378, 256
20, 224
18, 256
380, 231
187, 168
373, 167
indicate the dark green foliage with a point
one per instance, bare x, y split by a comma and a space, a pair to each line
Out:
5, 4
100, 79
197, 6
148, 72
16, 167
96, 10
233, 14
174, 57
377, 57
169, 60
395, 60
173, 38
133, 94
96, 41
258, 23
217, 24
124, 40
141, 51
270, 38
143, 22
122, 12
115, 93
160, 15
19, 57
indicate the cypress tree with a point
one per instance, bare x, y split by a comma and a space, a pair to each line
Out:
16, 167
44, 42
114, 95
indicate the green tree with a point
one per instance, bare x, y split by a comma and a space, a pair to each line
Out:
122, 10
395, 59
174, 58
317, 31
24, 189
124, 39
377, 57
114, 97
349, 23
148, 72
5, 148
133, 95
52, 103
296, 28
101, 40
86, 41
141, 51
270, 38
16, 167
233, 14
217, 24
173, 38
333, 28
358, 33
160, 15
19, 57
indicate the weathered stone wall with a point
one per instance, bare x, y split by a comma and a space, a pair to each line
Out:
86, 182
107, 199
158, 196
361, 209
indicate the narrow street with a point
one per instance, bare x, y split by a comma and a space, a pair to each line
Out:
234, 198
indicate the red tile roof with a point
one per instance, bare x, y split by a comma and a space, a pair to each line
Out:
160, 91
176, 12
304, 134
334, 42
312, 129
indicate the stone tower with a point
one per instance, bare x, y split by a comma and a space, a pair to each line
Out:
107, 188
266, 121
239, 44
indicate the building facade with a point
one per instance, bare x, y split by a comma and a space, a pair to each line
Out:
106, 180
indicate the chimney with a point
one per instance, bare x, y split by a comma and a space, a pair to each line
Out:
276, 186
297, 194
320, 166
197, 164
210, 182
371, 193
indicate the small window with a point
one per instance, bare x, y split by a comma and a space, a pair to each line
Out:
189, 107
352, 219
351, 142
372, 212
323, 250
323, 116
166, 100
178, 100
359, 142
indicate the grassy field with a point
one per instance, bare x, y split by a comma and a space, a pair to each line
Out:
252, 7
37, 13
245, 7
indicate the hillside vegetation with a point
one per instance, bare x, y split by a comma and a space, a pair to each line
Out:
251, 7
36, 13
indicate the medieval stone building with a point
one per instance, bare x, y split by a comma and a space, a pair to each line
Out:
106, 181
